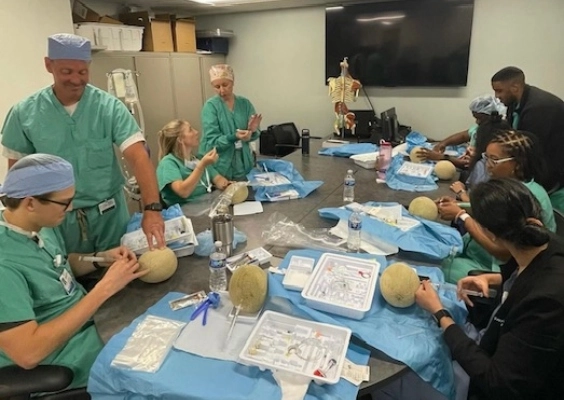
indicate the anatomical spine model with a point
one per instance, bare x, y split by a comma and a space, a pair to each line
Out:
342, 90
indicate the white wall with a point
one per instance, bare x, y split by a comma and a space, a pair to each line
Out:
279, 62
24, 30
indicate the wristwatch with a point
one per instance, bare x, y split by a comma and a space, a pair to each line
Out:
439, 315
154, 207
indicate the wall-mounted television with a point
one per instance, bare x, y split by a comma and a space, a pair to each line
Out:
401, 42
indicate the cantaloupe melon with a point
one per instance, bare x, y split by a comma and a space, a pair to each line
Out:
414, 157
424, 207
445, 170
238, 192
248, 288
398, 285
161, 263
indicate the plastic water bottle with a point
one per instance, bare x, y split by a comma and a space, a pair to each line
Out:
348, 189
218, 273
355, 226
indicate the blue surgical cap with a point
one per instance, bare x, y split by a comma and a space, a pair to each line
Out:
37, 174
487, 105
65, 46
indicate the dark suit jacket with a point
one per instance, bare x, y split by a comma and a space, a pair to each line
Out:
542, 113
521, 355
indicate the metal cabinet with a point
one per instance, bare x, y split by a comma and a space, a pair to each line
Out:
170, 85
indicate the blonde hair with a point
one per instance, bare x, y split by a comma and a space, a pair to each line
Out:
168, 138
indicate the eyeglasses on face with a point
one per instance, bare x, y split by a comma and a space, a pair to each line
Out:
61, 203
494, 161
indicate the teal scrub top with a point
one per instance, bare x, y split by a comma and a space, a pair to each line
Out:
544, 200
474, 256
472, 133
219, 126
31, 290
40, 124
171, 169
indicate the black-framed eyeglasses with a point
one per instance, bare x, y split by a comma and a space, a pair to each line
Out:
61, 203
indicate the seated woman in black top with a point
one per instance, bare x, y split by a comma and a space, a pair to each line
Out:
521, 354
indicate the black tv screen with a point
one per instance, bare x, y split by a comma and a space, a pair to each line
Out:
402, 42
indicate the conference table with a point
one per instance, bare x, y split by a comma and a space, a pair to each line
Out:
192, 273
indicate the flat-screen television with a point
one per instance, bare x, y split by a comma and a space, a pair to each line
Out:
401, 42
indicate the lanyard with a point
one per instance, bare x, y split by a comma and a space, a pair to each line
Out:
207, 183
58, 259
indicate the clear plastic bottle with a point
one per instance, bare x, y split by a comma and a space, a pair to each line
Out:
355, 226
218, 269
348, 188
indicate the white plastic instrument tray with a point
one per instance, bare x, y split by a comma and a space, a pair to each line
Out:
306, 348
368, 160
342, 285
179, 236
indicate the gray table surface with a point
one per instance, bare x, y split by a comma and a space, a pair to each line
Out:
192, 273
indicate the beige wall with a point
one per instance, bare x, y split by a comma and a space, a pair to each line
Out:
279, 61
24, 30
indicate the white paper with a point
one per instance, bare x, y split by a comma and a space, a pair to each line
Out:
354, 373
247, 208
210, 340
414, 169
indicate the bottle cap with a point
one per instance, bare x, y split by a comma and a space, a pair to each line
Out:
349, 171
218, 243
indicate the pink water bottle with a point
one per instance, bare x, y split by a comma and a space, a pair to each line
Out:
385, 156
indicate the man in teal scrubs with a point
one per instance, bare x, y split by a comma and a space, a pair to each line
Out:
81, 123
45, 315
229, 124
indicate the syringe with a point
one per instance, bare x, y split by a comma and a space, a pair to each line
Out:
492, 293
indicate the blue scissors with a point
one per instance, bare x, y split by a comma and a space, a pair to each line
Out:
212, 300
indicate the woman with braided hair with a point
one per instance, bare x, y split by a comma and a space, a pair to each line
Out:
511, 154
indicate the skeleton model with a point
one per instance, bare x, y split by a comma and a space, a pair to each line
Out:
342, 90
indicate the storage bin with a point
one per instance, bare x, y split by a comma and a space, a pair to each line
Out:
111, 37
216, 45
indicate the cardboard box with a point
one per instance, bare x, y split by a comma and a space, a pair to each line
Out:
83, 13
109, 20
158, 33
184, 35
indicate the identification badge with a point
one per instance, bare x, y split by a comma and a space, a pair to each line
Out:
68, 282
238, 144
106, 206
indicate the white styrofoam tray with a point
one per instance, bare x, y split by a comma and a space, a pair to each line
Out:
179, 236
285, 343
342, 285
298, 272
368, 160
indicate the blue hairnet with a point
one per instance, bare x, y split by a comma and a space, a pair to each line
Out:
66, 46
487, 105
37, 174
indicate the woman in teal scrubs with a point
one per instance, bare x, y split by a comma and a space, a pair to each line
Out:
181, 176
510, 154
229, 124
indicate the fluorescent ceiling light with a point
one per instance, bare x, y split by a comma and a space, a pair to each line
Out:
335, 8
381, 18
225, 3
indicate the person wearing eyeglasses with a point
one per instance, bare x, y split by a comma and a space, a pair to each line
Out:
45, 314
511, 154
520, 354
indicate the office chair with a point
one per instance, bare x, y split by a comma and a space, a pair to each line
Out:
559, 218
17, 383
280, 140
